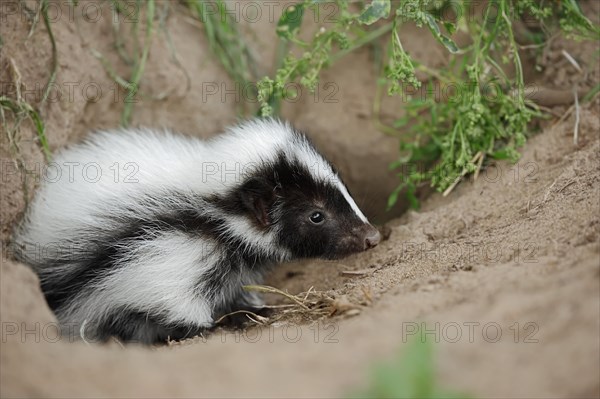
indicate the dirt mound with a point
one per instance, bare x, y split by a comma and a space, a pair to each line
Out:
504, 272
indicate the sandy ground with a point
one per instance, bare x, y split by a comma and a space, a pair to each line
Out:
504, 273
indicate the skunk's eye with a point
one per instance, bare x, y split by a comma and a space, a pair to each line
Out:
317, 218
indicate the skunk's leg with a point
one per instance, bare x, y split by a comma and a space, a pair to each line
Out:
244, 304
138, 327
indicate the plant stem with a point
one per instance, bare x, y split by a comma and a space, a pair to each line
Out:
371, 36
140, 65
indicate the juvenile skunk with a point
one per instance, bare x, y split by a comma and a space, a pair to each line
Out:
147, 235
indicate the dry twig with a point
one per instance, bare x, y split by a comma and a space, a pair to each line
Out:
576, 129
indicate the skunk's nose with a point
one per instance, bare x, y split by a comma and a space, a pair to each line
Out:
372, 237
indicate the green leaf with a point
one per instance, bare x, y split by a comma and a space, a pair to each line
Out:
290, 21
411, 195
374, 12
435, 29
41, 132
411, 374
591, 93
501, 154
401, 122
450, 27
393, 198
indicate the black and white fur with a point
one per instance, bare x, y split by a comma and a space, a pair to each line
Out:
165, 252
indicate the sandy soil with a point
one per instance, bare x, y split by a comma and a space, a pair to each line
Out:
510, 261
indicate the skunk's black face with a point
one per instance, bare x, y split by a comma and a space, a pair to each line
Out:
312, 217
323, 225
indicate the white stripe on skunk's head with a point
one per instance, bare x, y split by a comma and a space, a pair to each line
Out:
297, 195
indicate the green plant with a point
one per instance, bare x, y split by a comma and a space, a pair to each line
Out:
440, 141
132, 12
14, 108
14, 104
225, 41
411, 374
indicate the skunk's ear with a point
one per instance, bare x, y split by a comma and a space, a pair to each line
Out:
258, 196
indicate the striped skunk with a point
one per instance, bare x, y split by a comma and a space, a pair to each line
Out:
151, 235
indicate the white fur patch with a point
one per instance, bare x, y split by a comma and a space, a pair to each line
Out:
158, 277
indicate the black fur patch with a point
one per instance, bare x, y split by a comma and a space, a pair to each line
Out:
298, 193
137, 327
